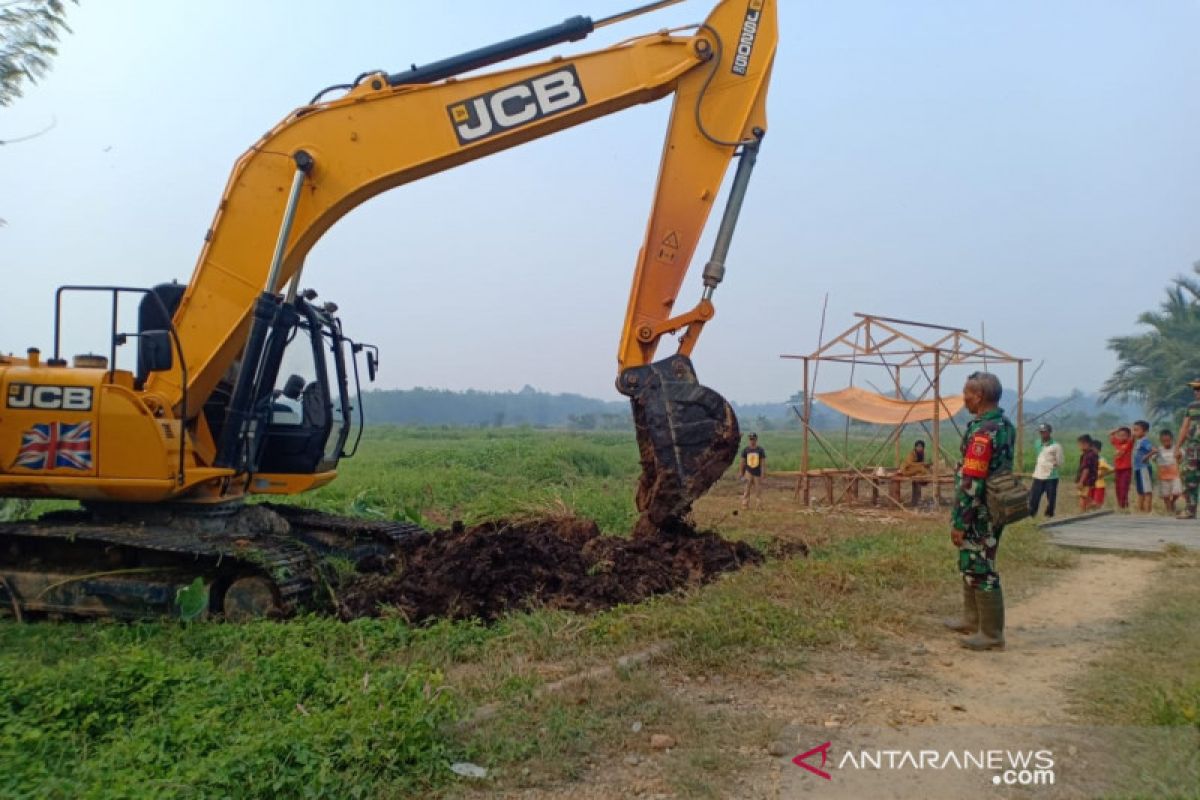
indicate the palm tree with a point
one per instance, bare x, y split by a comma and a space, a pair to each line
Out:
1154, 367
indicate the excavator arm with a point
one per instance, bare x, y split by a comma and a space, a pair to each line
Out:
387, 130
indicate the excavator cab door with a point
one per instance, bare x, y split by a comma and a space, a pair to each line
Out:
308, 409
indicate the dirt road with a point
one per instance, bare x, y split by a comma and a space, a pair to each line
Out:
916, 694
962, 701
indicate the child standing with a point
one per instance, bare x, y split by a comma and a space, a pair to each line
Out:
1103, 469
1143, 476
1170, 487
1122, 442
1085, 478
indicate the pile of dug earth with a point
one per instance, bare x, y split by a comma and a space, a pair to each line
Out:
487, 570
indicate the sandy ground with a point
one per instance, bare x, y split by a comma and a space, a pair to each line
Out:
920, 695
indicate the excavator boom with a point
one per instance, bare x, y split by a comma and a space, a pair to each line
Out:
388, 130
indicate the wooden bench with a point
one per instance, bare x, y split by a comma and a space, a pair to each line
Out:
853, 481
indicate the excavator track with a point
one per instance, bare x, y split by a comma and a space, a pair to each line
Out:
261, 560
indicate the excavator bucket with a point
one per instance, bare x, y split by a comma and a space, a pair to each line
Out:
687, 434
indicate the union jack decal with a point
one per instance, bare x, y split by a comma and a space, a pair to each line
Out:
56, 445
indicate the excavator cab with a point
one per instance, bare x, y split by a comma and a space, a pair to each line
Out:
308, 413
289, 405
303, 402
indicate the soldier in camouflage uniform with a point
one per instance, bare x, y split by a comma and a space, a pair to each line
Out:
987, 448
1189, 444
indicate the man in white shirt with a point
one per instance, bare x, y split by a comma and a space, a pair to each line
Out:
1045, 474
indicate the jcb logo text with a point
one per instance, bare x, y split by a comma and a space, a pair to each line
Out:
516, 105
56, 398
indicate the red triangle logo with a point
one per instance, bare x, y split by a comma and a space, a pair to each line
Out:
823, 749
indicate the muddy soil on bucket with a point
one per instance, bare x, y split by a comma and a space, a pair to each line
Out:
564, 563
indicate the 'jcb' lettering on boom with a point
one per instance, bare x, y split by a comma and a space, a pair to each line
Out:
741, 58
56, 398
516, 105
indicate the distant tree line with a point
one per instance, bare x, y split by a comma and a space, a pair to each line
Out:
473, 408
537, 409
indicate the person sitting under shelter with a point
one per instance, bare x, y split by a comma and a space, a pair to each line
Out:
914, 464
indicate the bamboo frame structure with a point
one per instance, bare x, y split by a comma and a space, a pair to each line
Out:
900, 345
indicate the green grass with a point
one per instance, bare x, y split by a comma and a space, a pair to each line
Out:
473, 475
436, 475
1150, 680
312, 708
1163, 633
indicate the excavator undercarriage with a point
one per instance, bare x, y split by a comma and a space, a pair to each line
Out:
261, 560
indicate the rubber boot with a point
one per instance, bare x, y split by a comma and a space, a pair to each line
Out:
969, 621
991, 622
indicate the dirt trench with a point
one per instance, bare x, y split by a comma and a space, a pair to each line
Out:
565, 563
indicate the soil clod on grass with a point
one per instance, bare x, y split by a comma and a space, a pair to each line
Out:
564, 562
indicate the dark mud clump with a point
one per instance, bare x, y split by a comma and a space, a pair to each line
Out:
564, 563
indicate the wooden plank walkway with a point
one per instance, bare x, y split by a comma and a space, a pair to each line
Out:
1105, 530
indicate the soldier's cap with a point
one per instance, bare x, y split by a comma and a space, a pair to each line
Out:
1194, 384
1045, 428
753, 435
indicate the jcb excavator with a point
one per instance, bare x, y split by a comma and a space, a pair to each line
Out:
162, 456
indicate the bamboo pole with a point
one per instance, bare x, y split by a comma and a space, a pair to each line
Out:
834, 458
899, 433
1020, 465
937, 425
804, 479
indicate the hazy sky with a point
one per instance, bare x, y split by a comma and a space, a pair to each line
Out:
1030, 164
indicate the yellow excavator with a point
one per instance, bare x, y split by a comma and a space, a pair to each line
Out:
245, 384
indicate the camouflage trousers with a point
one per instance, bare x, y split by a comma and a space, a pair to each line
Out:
1191, 483
977, 560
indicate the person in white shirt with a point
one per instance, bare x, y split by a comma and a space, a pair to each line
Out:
1170, 487
1045, 474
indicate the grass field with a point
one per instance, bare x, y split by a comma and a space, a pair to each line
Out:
470, 474
374, 708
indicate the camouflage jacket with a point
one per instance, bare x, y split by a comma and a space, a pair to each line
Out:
987, 447
1191, 446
